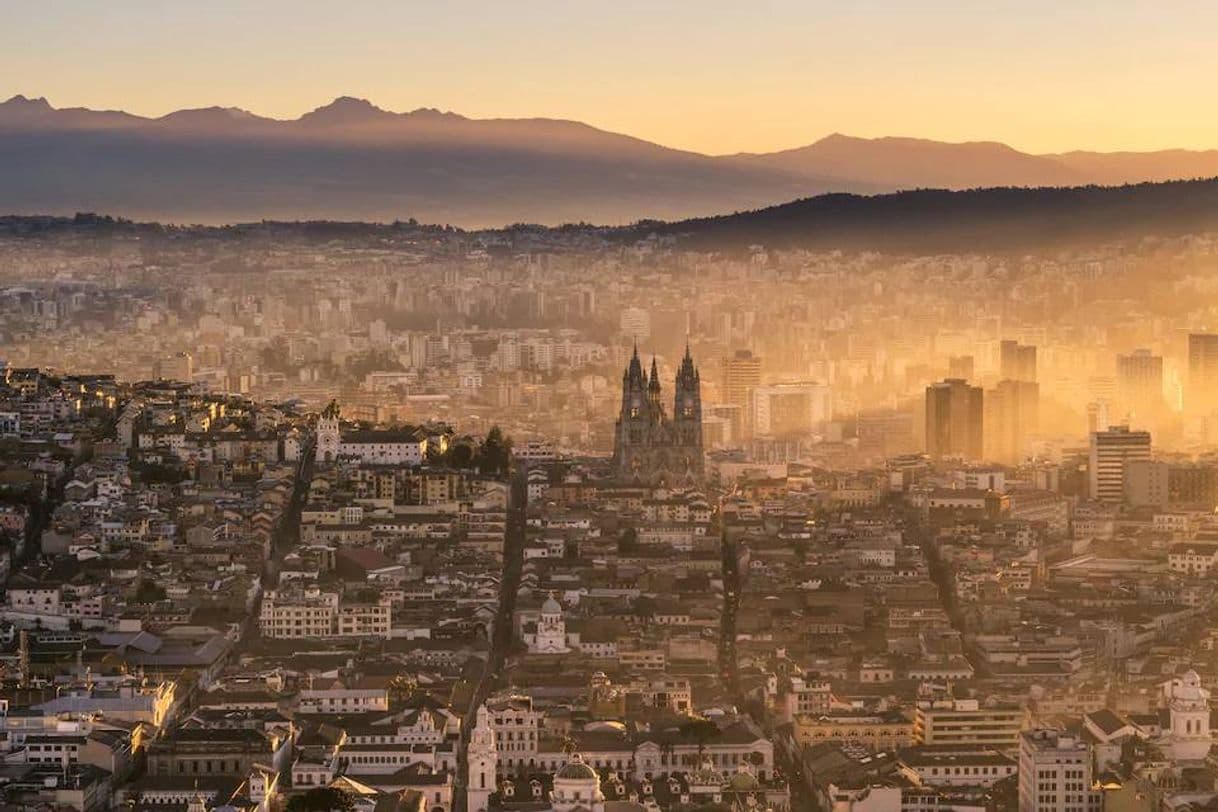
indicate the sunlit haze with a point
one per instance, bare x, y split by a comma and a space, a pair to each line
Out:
609, 406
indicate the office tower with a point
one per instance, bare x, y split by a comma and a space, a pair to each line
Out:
177, 367
1098, 416
1146, 483
1054, 772
741, 375
1139, 382
954, 419
969, 723
635, 323
787, 409
1188, 485
735, 417
1111, 450
1202, 372
1012, 416
960, 366
1017, 361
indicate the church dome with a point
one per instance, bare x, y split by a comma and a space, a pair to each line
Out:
576, 770
551, 607
743, 780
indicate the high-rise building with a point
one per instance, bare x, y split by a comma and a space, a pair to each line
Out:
1202, 372
177, 367
1111, 450
969, 723
635, 323
1017, 361
735, 418
1098, 416
788, 409
1146, 483
960, 366
648, 446
1161, 484
1012, 416
1139, 383
741, 375
954, 419
1055, 772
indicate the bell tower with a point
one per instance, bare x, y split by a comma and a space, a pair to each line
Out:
328, 436
483, 759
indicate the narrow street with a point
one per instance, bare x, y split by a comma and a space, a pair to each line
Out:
501, 637
728, 666
733, 586
285, 539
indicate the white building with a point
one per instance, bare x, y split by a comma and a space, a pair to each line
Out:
550, 635
1055, 773
790, 409
378, 447
1111, 450
635, 323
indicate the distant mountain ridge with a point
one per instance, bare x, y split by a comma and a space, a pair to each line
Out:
350, 159
1015, 221
932, 221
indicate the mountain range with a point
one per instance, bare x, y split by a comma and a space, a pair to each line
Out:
352, 160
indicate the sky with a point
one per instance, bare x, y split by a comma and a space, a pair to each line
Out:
704, 75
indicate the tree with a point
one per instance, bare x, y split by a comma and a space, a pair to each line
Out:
628, 542
702, 731
149, 592
401, 687
496, 453
322, 799
461, 456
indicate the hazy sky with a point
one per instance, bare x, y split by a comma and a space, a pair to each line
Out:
704, 75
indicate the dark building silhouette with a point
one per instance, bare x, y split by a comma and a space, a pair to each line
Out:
954, 419
648, 446
1139, 382
1202, 371
1012, 416
1018, 361
960, 366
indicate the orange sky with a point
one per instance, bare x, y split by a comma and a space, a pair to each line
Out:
708, 76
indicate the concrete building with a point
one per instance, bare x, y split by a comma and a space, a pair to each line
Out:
1017, 361
1202, 371
1111, 451
740, 376
1055, 773
969, 723
954, 420
787, 409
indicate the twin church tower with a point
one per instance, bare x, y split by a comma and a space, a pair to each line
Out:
650, 447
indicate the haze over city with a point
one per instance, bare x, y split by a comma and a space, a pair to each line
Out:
684, 407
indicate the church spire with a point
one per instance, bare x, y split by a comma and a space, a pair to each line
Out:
654, 384
687, 373
634, 373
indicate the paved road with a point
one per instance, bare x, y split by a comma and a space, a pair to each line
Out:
285, 539
728, 664
501, 636
733, 585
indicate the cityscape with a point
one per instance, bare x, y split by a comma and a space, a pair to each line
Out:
417, 462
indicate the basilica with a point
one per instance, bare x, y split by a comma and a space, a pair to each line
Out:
649, 446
